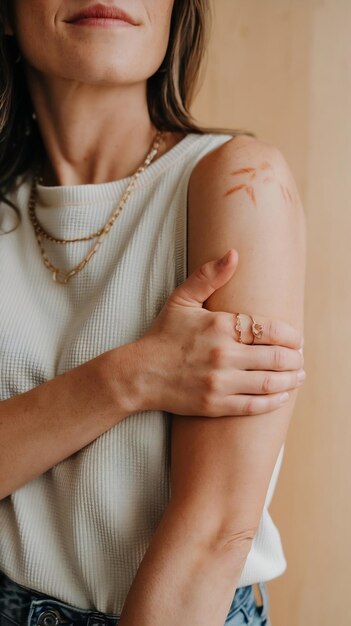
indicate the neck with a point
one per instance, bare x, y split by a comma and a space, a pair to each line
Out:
92, 134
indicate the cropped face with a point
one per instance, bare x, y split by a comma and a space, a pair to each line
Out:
115, 42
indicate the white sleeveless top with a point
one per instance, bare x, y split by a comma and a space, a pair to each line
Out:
80, 531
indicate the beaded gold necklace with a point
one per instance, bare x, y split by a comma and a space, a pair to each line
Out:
63, 276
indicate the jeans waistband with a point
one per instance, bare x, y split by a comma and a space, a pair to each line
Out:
27, 607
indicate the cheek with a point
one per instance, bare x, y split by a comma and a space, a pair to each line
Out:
35, 33
158, 21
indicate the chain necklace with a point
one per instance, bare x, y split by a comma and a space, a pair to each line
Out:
63, 276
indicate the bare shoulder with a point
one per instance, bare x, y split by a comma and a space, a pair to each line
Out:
243, 195
245, 167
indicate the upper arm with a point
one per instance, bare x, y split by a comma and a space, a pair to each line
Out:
242, 195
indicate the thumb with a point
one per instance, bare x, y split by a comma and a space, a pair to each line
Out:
208, 277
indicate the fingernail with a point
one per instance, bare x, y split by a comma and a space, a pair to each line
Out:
301, 376
224, 260
284, 397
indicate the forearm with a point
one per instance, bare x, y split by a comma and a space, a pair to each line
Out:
220, 475
188, 575
43, 426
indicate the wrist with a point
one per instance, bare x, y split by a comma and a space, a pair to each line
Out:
152, 380
125, 377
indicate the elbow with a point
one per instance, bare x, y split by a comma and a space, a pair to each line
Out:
227, 530
221, 534
231, 548
218, 538
229, 541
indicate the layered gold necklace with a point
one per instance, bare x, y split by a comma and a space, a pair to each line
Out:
63, 276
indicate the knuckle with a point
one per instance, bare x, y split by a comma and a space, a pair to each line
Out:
267, 384
203, 273
210, 381
273, 331
250, 407
216, 356
279, 359
218, 322
207, 405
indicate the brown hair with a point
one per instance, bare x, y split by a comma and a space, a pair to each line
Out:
170, 91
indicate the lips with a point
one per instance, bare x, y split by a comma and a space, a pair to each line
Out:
103, 12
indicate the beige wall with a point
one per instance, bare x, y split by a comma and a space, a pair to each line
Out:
282, 68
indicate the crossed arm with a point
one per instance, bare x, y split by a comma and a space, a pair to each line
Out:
242, 195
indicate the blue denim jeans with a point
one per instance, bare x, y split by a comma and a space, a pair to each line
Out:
20, 606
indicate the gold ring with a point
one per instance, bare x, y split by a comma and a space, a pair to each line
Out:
256, 329
238, 326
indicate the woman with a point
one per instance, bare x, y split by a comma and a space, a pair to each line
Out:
123, 322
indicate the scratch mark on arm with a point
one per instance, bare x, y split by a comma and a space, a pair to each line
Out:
244, 170
270, 176
283, 191
289, 194
234, 189
250, 191
286, 193
265, 165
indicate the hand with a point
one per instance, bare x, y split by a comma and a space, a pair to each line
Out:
197, 366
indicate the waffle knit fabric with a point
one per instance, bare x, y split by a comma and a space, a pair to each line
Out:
79, 531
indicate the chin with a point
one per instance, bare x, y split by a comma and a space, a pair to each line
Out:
107, 76
94, 69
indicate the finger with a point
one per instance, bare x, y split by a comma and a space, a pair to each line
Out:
206, 279
241, 404
275, 332
263, 382
275, 358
